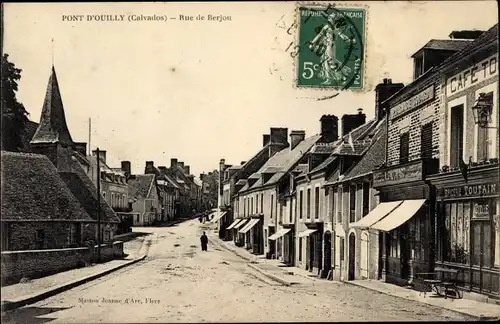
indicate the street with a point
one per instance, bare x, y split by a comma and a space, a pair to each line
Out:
177, 282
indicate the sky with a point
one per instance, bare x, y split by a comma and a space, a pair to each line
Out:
204, 90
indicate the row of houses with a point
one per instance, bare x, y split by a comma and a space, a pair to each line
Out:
414, 188
50, 198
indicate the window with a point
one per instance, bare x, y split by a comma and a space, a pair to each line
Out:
366, 198
426, 141
301, 204
40, 239
271, 206
251, 206
244, 207
341, 249
308, 202
265, 238
300, 248
485, 136
418, 67
72, 234
262, 203
281, 211
290, 210
316, 202
352, 204
257, 204
339, 212
404, 147
456, 135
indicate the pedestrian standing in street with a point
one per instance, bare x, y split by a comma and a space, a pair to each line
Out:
204, 242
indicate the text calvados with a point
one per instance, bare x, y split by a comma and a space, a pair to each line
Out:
472, 75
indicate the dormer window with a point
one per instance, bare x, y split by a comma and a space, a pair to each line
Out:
418, 66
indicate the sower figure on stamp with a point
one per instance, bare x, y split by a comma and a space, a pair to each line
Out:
324, 46
204, 242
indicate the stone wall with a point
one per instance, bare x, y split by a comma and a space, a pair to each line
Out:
39, 263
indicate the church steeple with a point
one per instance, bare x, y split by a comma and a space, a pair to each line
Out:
53, 128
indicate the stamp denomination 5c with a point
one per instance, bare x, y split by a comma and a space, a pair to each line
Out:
330, 47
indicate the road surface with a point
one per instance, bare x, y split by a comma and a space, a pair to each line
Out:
177, 282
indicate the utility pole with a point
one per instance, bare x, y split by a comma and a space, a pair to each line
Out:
98, 206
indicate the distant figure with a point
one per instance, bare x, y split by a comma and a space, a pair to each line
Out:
204, 242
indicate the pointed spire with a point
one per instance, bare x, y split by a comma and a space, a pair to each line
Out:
52, 127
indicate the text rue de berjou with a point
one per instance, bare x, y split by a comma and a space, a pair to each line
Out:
144, 18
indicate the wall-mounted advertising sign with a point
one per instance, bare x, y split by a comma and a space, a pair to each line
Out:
481, 71
408, 105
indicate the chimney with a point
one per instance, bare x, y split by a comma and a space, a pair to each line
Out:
266, 138
466, 34
202, 176
296, 136
187, 169
81, 147
279, 135
352, 121
173, 163
126, 167
163, 170
102, 155
329, 128
150, 165
243, 162
181, 164
383, 91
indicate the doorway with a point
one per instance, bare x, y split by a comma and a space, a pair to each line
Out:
327, 264
352, 256
404, 257
310, 252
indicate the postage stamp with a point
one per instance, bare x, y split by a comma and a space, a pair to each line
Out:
330, 47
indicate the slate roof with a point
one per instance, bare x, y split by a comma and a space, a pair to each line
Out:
140, 187
445, 45
301, 169
373, 158
490, 36
32, 190
82, 187
282, 162
324, 148
356, 133
241, 182
52, 127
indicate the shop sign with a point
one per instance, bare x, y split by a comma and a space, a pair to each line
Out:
412, 103
481, 210
478, 190
407, 173
481, 71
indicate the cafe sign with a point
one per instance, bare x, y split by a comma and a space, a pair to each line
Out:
478, 190
412, 103
407, 173
473, 75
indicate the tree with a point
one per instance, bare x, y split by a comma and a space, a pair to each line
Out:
14, 115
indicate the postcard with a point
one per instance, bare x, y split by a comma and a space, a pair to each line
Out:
298, 161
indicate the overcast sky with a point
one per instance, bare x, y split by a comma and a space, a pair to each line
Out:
200, 91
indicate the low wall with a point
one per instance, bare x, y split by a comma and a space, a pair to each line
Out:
39, 263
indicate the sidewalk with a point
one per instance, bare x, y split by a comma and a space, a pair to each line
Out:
483, 311
18, 295
273, 269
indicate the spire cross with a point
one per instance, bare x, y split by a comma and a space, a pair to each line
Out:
52, 51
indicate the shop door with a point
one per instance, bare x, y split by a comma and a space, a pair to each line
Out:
310, 254
481, 256
404, 256
327, 264
352, 256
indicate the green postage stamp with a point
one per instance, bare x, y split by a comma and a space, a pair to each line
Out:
330, 47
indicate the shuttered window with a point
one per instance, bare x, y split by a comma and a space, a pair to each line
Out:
404, 147
426, 141
456, 135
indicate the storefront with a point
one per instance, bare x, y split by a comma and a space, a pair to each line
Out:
406, 230
313, 237
253, 234
467, 227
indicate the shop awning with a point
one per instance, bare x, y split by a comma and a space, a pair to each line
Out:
236, 221
279, 234
249, 226
378, 213
307, 232
240, 224
400, 215
218, 216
